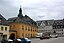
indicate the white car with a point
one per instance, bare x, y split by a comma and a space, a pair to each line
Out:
53, 35
38, 36
18, 39
10, 40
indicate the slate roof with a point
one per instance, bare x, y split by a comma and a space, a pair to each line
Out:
3, 20
51, 22
58, 22
25, 19
46, 22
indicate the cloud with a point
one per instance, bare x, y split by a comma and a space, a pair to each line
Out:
36, 9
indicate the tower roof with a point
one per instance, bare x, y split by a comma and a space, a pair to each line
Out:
20, 15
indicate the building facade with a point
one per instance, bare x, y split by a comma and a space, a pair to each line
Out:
24, 30
58, 26
4, 28
45, 26
23, 25
4, 31
51, 26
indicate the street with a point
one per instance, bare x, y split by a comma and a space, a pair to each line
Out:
51, 40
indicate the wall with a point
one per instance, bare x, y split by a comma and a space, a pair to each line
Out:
24, 30
45, 29
4, 31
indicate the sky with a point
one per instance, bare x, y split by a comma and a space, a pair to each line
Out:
35, 9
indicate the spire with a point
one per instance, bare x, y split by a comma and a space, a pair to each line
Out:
20, 10
20, 13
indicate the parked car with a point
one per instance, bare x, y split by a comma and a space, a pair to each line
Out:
17, 41
25, 40
37, 36
10, 41
53, 35
45, 36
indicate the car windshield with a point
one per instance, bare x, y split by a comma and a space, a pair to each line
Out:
22, 39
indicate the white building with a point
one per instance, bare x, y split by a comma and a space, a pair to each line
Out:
51, 26
43, 26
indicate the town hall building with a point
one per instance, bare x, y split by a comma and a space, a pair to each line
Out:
22, 26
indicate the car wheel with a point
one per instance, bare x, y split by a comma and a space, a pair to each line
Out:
48, 38
56, 37
41, 38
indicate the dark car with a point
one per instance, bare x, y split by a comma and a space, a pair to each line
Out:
45, 36
25, 40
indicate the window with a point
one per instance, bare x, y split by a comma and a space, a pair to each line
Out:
31, 35
54, 27
1, 28
62, 29
60, 22
0, 20
4, 36
10, 27
25, 35
22, 27
22, 34
28, 35
6, 28
26, 28
35, 29
31, 29
54, 23
58, 26
61, 26
13, 26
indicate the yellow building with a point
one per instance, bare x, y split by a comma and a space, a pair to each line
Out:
23, 25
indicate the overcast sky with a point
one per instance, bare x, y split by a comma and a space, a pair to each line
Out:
36, 9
